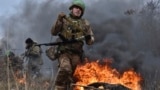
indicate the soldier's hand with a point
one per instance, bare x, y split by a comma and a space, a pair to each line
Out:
88, 37
61, 16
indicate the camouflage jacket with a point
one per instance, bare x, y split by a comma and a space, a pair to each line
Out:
69, 29
34, 54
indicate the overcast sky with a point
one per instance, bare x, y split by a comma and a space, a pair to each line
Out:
8, 6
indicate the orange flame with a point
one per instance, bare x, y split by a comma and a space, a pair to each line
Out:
22, 81
20, 78
92, 72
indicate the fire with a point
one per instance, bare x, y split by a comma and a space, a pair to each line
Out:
20, 78
95, 71
21, 81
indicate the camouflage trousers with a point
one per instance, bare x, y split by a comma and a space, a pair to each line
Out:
34, 69
67, 65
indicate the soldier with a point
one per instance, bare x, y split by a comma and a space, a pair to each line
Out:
71, 28
15, 61
33, 55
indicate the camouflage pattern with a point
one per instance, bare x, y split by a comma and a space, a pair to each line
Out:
51, 53
70, 55
66, 29
35, 60
67, 65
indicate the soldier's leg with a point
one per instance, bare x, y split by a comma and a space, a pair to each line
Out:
76, 60
65, 71
35, 69
29, 74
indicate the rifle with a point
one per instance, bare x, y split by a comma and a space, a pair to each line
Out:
64, 41
57, 43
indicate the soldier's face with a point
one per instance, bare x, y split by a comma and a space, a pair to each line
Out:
76, 11
28, 45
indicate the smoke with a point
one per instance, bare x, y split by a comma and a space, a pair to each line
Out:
132, 40
126, 38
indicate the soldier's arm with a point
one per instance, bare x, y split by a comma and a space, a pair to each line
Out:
89, 34
56, 28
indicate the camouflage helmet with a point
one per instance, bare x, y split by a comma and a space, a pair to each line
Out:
79, 3
9, 53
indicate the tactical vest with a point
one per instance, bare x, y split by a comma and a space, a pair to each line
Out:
69, 31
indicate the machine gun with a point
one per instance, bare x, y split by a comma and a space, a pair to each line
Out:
57, 43
65, 41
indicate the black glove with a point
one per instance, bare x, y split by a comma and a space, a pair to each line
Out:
88, 37
62, 37
61, 16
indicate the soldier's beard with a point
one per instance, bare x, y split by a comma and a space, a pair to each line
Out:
74, 17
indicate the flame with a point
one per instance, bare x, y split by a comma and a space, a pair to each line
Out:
20, 78
95, 71
21, 81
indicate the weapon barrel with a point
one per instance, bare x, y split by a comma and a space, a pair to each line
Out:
56, 43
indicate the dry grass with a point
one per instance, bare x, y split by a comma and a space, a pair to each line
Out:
14, 84
151, 80
18, 86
